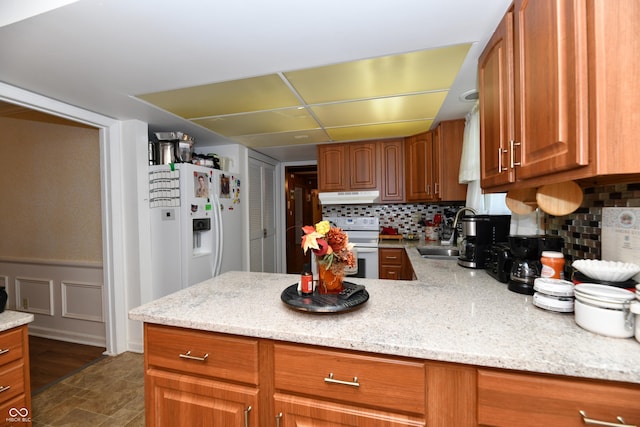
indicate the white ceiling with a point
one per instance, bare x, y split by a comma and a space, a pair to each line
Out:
99, 54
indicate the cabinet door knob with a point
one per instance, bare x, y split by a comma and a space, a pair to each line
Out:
591, 422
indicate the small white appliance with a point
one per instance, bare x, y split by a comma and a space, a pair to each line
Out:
363, 232
196, 228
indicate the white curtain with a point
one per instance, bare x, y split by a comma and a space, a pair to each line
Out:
470, 161
470, 170
493, 203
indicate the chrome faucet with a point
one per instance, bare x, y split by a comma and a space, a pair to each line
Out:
454, 230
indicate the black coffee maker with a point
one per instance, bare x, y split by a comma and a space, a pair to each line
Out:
479, 233
526, 266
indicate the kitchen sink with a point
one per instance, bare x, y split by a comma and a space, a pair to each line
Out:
440, 252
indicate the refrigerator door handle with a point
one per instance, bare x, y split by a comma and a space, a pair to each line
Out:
218, 229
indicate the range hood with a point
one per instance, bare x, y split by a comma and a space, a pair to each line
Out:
349, 197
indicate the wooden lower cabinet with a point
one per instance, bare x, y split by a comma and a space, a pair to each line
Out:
507, 399
198, 378
394, 264
297, 411
254, 382
15, 388
177, 399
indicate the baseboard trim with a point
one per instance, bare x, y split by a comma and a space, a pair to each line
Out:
74, 337
135, 347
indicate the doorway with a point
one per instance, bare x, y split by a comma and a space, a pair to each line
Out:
262, 222
302, 208
53, 267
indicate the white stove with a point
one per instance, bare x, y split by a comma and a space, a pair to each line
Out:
363, 232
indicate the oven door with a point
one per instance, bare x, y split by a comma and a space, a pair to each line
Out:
367, 262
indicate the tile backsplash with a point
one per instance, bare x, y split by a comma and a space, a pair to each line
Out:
581, 229
402, 216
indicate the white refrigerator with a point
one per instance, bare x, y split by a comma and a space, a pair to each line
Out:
196, 227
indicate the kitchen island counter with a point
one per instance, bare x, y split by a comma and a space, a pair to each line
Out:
449, 314
12, 319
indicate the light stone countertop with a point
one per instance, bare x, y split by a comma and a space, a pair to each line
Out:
449, 314
12, 319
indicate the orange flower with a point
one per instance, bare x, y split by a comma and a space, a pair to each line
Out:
329, 244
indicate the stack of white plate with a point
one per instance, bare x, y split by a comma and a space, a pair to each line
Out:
553, 294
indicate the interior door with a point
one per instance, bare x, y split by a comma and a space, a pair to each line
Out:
262, 224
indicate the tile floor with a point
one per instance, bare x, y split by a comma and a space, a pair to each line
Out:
107, 393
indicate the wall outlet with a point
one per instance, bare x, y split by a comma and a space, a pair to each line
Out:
25, 303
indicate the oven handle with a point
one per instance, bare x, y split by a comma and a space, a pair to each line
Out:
362, 250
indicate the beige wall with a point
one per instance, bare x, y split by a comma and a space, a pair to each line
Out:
49, 191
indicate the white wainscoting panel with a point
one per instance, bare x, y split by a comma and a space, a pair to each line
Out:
82, 301
66, 298
34, 295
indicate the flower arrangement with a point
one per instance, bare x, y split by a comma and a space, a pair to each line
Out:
333, 253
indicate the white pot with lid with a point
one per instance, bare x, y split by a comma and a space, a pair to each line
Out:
635, 309
604, 310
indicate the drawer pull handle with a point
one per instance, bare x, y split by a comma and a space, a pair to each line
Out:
188, 355
6, 350
278, 418
592, 422
4, 388
246, 416
331, 380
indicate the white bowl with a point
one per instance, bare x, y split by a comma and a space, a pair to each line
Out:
608, 271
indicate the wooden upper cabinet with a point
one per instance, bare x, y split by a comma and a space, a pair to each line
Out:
551, 90
392, 171
345, 167
363, 165
418, 167
534, 93
554, 106
447, 148
332, 167
432, 164
495, 86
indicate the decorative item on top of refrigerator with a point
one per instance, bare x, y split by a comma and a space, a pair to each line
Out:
192, 208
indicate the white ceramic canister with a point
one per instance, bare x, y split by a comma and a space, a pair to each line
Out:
635, 309
604, 310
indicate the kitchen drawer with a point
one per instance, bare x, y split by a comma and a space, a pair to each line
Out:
389, 256
10, 346
11, 381
510, 399
383, 382
390, 272
184, 350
